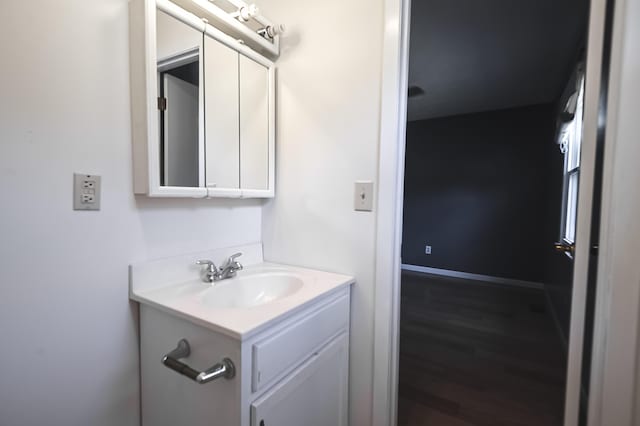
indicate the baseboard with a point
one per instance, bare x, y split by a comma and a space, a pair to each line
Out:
474, 277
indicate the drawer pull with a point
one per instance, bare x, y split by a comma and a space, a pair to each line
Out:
224, 369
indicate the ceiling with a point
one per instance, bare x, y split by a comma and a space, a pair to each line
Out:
481, 55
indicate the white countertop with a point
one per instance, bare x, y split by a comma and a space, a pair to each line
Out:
184, 299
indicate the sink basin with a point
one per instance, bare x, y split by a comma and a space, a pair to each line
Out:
241, 307
251, 290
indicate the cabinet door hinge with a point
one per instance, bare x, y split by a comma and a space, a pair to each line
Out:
162, 104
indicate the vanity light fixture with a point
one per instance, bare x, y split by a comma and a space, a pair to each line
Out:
245, 13
272, 31
267, 37
251, 11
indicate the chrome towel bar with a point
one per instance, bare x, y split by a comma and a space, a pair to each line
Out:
224, 369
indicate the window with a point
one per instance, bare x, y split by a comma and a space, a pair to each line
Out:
570, 142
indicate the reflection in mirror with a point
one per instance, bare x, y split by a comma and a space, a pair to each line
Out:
221, 115
254, 124
178, 53
179, 125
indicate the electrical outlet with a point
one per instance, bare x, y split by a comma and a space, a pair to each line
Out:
86, 192
427, 249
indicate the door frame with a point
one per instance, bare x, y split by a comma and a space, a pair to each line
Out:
615, 354
393, 118
614, 397
592, 93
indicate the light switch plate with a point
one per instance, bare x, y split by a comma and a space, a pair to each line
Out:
86, 192
363, 196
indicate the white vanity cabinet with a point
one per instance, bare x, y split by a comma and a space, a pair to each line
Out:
291, 371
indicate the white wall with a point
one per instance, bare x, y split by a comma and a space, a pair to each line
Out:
67, 329
328, 122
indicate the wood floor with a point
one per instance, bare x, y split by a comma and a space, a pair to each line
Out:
474, 353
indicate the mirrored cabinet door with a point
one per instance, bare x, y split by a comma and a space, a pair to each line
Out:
222, 133
179, 53
203, 103
254, 124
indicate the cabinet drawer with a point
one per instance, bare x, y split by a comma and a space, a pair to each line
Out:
279, 353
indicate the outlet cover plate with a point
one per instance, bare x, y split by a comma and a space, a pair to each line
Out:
86, 191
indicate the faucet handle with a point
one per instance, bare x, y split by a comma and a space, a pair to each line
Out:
233, 262
209, 273
209, 264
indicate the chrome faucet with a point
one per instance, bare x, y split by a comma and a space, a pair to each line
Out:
230, 267
210, 273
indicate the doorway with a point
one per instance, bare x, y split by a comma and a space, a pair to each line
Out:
178, 104
610, 83
515, 274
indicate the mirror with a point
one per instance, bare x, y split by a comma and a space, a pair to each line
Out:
222, 116
214, 133
179, 92
236, 91
254, 124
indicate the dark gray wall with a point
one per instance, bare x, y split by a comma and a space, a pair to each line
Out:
477, 189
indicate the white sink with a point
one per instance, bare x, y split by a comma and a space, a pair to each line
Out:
239, 307
251, 290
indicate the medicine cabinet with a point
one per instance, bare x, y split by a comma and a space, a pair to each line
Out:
203, 108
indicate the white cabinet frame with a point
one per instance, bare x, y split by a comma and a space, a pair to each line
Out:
144, 94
